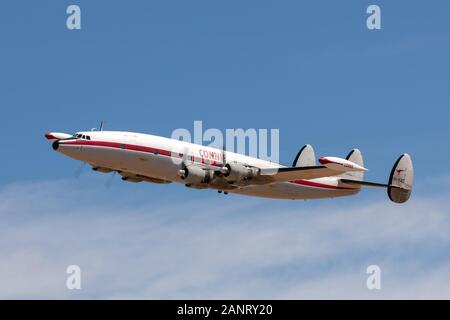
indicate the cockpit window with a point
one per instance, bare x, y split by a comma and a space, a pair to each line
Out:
81, 136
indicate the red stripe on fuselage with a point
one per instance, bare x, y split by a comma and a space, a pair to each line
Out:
133, 147
318, 185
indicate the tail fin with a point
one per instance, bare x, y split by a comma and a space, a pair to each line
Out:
356, 157
401, 179
305, 157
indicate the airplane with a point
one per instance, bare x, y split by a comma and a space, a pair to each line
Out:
141, 157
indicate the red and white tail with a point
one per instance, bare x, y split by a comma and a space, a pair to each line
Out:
354, 156
401, 179
400, 183
305, 157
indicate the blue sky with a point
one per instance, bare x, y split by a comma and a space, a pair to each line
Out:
310, 69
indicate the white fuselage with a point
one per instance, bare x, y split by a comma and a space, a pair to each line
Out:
160, 158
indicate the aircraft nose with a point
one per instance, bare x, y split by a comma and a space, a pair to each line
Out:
52, 136
55, 145
49, 136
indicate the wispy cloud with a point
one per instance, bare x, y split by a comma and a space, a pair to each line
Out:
212, 248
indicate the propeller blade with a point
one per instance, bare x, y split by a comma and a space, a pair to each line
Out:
108, 182
79, 170
224, 155
224, 169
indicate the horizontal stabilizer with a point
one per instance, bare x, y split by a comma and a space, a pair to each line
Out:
363, 183
290, 174
340, 164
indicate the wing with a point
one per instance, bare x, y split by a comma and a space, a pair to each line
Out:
131, 177
290, 174
282, 174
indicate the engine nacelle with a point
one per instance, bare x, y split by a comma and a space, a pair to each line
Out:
194, 175
236, 172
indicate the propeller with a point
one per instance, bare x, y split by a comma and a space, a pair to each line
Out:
79, 170
108, 182
224, 169
184, 158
